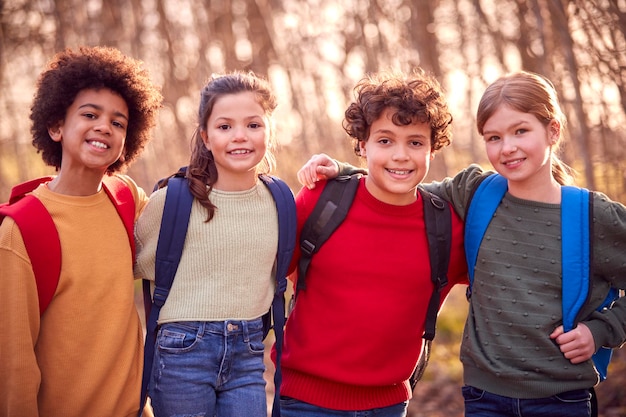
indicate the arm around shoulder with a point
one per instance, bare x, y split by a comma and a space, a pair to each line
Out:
458, 190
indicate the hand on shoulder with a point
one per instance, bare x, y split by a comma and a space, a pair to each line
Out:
318, 167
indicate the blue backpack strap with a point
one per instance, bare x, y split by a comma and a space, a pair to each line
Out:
480, 211
574, 252
172, 236
603, 356
287, 224
576, 262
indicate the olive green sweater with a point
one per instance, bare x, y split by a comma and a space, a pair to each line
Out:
516, 298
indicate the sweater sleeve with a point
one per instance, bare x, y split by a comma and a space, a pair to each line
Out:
458, 190
347, 169
19, 327
147, 234
609, 269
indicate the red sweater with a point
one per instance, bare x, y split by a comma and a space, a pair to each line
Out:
354, 336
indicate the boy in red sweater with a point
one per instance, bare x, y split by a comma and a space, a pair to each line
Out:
355, 334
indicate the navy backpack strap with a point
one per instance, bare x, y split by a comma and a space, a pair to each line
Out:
172, 236
329, 212
287, 224
481, 208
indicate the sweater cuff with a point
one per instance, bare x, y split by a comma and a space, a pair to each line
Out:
601, 332
347, 169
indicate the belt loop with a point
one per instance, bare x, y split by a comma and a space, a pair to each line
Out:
201, 329
244, 329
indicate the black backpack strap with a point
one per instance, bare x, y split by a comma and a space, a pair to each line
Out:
437, 218
329, 212
172, 234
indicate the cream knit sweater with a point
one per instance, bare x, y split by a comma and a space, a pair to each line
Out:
226, 270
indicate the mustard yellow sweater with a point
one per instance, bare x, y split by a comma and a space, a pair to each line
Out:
84, 356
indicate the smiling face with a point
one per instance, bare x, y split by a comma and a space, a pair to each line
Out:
519, 147
237, 134
398, 159
93, 132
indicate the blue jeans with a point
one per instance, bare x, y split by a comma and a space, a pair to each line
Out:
479, 403
290, 407
209, 369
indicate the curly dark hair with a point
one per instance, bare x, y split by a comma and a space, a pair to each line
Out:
416, 97
72, 71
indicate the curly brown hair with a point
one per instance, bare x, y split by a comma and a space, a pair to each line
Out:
416, 97
72, 71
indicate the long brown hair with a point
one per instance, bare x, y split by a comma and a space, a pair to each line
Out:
528, 93
202, 172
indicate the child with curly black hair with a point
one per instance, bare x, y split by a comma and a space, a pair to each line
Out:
82, 354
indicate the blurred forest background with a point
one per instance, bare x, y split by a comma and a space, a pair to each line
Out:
313, 52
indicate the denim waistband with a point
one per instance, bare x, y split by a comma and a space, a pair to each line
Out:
226, 327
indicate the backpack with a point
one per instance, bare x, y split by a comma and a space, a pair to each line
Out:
576, 209
40, 235
172, 235
330, 211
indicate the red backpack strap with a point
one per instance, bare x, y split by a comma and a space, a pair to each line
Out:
40, 236
122, 197
20, 190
